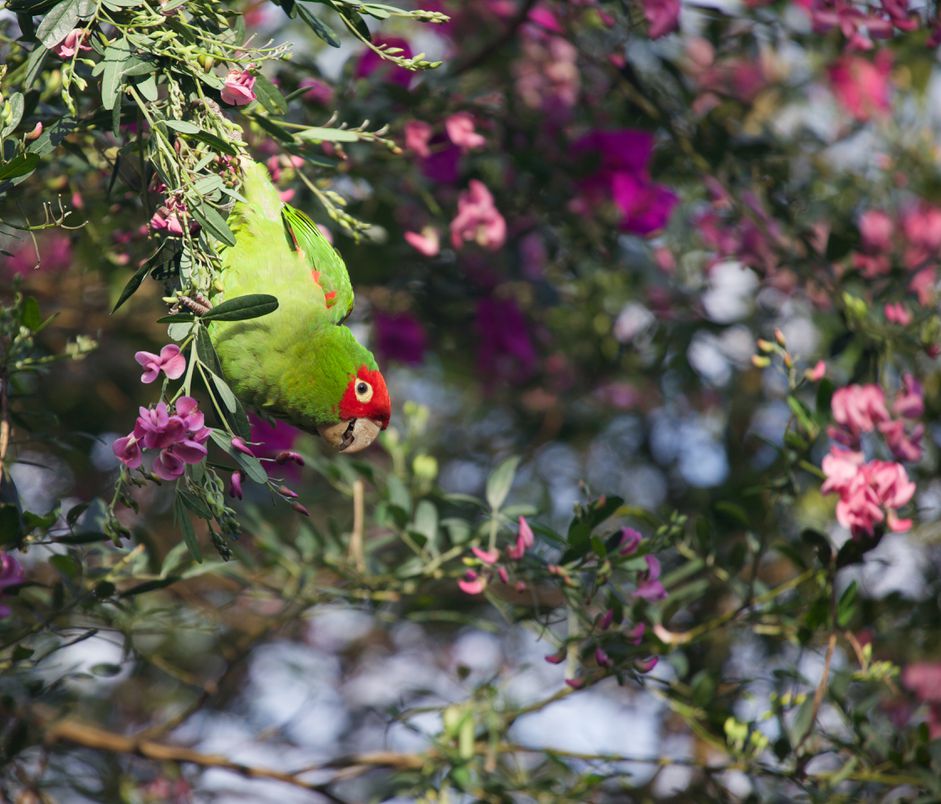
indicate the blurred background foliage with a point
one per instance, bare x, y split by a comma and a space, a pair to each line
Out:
566, 240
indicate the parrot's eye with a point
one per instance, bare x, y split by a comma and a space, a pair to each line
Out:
363, 391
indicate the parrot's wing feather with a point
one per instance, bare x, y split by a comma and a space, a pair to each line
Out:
327, 267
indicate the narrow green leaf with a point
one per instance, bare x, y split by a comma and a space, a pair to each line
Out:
243, 307
213, 222
499, 482
57, 23
186, 526
321, 29
183, 126
148, 88
34, 65
228, 398
116, 55
322, 134
270, 96
30, 317
132, 285
217, 143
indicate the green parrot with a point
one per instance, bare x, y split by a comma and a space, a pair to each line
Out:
299, 363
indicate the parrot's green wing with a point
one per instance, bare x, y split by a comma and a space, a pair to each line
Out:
327, 267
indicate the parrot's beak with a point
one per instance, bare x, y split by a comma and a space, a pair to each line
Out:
350, 436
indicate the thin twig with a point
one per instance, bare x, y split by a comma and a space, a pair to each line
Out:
357, 555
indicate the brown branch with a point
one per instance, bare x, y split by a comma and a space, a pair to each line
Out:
80, 734
357, 556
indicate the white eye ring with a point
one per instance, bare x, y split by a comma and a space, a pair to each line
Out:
363, 391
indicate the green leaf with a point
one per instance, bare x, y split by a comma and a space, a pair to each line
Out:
11, 529
16, 114
181, 515
57, 23
499, 482
183, 126
105, 669
20, 166
321, 29
30, 317
322, 134
133, 284
225, 393
270, 96
214, 223
207, 184
116, 55
34, 65
242, 308
176, 318
67, 565
148, 88
214, 142
54, 133
846, 607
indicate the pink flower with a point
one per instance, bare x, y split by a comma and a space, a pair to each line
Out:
861, 85
555, 658
157, 429
170, 216
547, 77
601, 657
478, 219
663, 17
524, 540
909, 402
648, 664
904, 443
11, 574
876, 229
240, 446
128, 451
488, 557
73, 43
170, 361
840, 467
238, 88
427, 242
818, 372
897, 313
317, 91
169, 466
417, 137
858, 409
461, 131
636, 635
472, 583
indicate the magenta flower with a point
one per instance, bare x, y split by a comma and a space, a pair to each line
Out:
273, 440
11, 574
622, 179
472, 583
170, 361
168, 466
478, 219
461, 131
238, 89
648, 585
371, 62
235, 484
601, 657
240, 446
181, 438
636, 635
417, 136
663, 17
157, 429
73, 43
630, 539
909, 402
400, 337
504, 347
503, 575
170, 216
648, 664
317, 91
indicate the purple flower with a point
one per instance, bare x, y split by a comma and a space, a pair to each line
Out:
504, 347
235, 485
168, 466
663, 17
622, 178
371, 62
240, 446
157, 429
400, 337
649, 586
128, 451
11, 573
170, 361
630, 539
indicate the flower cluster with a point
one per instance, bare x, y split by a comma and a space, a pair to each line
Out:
913, 239
860, 24
871, 492
475, 580
477, 219
170, 361
170, 216
180, 436
11, 574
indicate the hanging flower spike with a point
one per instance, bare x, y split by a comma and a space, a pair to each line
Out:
170, 361
238, 89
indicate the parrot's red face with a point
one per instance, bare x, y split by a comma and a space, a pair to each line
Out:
364, 410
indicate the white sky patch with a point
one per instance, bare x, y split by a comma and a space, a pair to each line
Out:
731, 293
